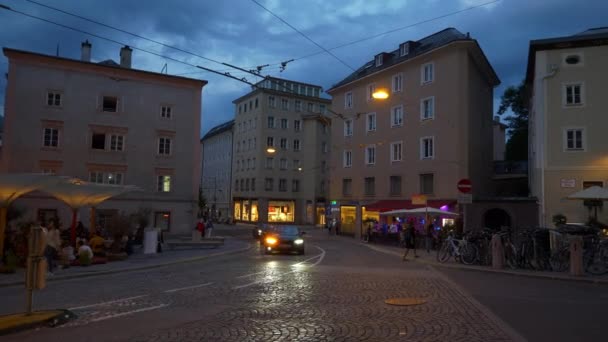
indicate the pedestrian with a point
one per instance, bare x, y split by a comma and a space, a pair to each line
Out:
410, 240
200, 226
429, 236
209, 228
53, 243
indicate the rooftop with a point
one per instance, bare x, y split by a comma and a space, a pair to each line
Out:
223, 127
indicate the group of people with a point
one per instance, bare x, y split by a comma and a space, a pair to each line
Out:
205, 227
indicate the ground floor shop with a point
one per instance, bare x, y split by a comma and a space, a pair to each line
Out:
297, 211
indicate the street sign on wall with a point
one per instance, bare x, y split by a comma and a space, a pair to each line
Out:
568, 183
419, 199
464, 186
465, 198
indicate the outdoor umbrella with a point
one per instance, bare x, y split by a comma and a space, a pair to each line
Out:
594, 193
418, 211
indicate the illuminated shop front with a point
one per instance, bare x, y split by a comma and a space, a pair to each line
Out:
246, 210
281, 211
348, 215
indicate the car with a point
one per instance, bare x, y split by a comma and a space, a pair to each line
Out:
283, 239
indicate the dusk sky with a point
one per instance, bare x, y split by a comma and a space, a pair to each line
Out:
242, 33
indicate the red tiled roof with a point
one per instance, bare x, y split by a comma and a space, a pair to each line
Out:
386, 205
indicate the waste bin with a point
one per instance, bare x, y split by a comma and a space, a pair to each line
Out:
150, 240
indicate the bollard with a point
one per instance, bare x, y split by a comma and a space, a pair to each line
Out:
576, 255
498, 252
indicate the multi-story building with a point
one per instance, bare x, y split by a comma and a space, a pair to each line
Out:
567, 80
434, 129
281, 153
106, 123
217, 168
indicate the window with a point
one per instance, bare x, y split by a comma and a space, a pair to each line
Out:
573, 94
284, 123
297, 125
50, 137
348, 127
271, 102
311, 107
253, 162
282, 184
240, 109
268, 184
283, 164
162, 220
283, 143
242, 184
370, 155
236, 185
370, 186
348, 100
298, 105
396, 151
296, 164
347, 187
397, 83
378, 60
270, 142
427, 108
164, 146
248, 163
371, 122
256, 102
284, 104
426, 184
427, 148
325, 128
98, 141
348, 158
252, 184
574, 139
296, 144
588, 184
117, 142
322, 187
427, 73
110, 104
114, 178
96, 177
238, 146
249, 144
269, 162
163, 183
245, 108
322, 109
271, 122
247, 184
165, 112
250, 105
53, 99
238, 165
295, 185
324, 147
371, 89
397, 116
395, 185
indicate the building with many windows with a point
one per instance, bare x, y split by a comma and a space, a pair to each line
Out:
217, 168
567, 80
106, 123
434, 129
281, 153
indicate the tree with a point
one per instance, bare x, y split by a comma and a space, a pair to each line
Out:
514, 98
202, 202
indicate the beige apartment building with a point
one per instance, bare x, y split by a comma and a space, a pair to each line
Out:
281, 146
434, 129
567, 78
105, 123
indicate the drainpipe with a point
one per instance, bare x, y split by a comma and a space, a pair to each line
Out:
544, 78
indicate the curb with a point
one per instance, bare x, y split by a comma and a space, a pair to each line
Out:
491, 270
137, 268
62, 317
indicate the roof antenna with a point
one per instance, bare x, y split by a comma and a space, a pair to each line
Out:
165, 69
57, 50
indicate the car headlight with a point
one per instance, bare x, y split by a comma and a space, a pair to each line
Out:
298, 241
271, 240
259, 231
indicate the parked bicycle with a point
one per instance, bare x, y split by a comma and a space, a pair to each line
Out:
460, 249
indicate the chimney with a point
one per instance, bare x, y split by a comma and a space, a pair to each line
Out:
85, 51
125, 56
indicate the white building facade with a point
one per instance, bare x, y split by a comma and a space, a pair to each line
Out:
217, 168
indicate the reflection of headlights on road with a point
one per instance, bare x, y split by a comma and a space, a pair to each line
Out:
271, 241
298, 241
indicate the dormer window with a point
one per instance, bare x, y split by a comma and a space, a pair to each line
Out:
404, 49
379, 59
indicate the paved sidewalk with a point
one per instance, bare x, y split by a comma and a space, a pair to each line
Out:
137, 261
430, 259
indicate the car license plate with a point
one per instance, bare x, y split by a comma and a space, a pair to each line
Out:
284, 245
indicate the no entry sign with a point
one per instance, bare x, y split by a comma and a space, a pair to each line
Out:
464, 186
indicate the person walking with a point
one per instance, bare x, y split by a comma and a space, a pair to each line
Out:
209, 228
200, 226
410, 240
429, 236
53, 243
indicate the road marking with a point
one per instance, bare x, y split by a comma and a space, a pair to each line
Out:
321, 258
187, 288
129, 312
105, 303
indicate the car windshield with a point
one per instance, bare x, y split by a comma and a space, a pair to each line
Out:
287, 230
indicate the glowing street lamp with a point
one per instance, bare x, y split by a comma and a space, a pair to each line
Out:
380, 94
271, 150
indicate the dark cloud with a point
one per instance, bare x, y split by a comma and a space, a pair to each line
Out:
241, 33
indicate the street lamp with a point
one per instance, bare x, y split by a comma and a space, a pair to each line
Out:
271, 149
380, 94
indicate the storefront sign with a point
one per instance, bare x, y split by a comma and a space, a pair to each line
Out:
568, 183
419, 199
334, 202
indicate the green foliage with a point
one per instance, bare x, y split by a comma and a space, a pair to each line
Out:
202, 202
514, 98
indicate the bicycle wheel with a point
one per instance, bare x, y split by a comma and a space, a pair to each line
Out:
560, 260
468, 254
443, 253
598, 265
510, 256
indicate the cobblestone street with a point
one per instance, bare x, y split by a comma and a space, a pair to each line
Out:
335, 292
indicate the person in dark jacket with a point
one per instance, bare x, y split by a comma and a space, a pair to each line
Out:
410, 240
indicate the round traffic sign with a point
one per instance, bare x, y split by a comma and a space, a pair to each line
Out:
464, 186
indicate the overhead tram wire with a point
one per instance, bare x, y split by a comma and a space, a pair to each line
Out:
225, 74
303, 35
126, 32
